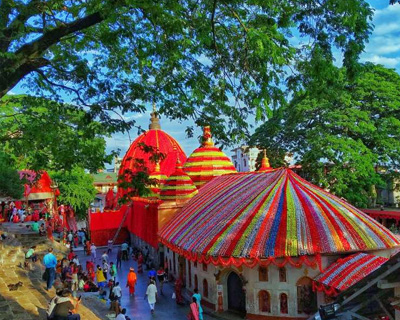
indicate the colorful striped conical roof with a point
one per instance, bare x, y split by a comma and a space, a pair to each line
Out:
207, 162
247, 217
178, 187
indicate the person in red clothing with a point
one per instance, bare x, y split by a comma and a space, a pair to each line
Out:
140, 263
71, 255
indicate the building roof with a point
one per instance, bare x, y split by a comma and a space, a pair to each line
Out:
178, 187
101, 178
38, 188
251, 217
159, 139
207, 162
346, 272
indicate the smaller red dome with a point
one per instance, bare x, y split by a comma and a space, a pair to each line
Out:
178, 187
159, 177
207, 162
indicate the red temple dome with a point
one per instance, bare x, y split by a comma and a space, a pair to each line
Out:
178, 187
207, 162
256, 217
159, 139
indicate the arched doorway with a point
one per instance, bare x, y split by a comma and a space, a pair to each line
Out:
236, 294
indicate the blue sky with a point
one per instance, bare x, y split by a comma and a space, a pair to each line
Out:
383, 48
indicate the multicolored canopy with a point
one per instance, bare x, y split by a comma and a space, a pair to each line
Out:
178, 187
346, 272
247, 217
207, 162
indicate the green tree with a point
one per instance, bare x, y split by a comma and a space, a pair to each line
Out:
343, 133
10, 183
76, 189
44, 134
191, 57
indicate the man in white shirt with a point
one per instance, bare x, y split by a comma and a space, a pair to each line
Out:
104, 257
151, 293
121, 316
117, 292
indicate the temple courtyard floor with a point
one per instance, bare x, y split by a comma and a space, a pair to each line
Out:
30, 301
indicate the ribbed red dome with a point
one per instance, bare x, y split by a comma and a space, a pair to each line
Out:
159, 139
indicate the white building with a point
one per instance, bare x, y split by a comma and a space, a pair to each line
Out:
244, 158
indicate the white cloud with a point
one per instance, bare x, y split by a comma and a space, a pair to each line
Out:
388, 62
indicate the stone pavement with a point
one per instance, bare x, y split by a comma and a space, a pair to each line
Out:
136, 306
30, 301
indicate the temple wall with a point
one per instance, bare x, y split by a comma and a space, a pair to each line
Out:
218, 276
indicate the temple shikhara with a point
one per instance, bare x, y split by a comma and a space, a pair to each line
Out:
265, 244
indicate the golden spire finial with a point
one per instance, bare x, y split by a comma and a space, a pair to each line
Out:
154, 121
157, 168
207, 137
265, 166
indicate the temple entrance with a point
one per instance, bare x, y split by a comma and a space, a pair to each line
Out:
236, 294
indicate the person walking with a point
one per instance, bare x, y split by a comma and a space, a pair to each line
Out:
178, 290
113, 271
109, 246
197, 296
93, 252
194, 310
101, 280
151, 294
131, 281
161, 278
119, 258
50, 262
124, 248
140, 263
105, 269
117, 292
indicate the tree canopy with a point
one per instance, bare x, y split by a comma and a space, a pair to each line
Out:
76, 189
10, 183
342, 133
215, 61
43, 134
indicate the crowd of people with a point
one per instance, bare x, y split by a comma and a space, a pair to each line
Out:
10, 212
100, 275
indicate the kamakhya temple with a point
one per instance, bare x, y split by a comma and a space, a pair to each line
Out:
265, 244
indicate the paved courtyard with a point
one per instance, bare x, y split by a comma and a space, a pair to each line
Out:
136, 306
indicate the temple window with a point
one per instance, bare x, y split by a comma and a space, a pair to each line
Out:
204, 266
282, 274
263, 274
195, 264
264, 301
196, 282
306, 297
283, 303
205, 288
170, 264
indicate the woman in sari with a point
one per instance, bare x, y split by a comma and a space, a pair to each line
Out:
88, 250
131, 281
178, 290
194, 310
197, 296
